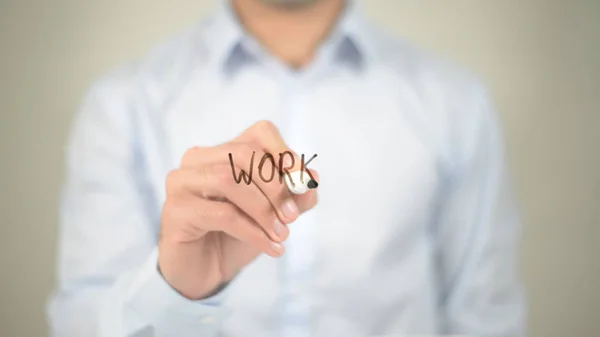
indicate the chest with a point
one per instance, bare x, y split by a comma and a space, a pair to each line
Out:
378, 183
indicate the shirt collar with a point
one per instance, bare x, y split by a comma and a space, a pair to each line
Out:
230, 47
354, 30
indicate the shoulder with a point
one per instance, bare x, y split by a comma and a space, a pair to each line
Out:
125, 99
425, 71
154, 77
452, 103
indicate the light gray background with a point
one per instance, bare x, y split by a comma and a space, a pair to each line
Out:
539, 58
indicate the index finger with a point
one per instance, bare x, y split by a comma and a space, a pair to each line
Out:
266, 135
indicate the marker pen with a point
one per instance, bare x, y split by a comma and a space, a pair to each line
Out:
302, 183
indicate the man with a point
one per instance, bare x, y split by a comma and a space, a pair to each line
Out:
413, 232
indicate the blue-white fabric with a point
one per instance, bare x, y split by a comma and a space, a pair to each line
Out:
416, 230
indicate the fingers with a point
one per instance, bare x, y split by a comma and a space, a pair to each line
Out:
202, 215
267, 136
248, 163
262, 138
243, 154
243, 177
214, 183
265, 133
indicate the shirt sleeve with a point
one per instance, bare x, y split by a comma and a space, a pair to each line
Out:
108, 282
478, 231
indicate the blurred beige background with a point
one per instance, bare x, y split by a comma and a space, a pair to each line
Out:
541, 60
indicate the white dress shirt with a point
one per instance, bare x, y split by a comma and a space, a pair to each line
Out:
415, 232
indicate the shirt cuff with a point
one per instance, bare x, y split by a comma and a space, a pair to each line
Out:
152, 298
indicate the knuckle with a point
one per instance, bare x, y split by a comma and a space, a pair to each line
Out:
173, 181
190, 155
171, 214
225, 215
245, 150
183, 221
241, 152
167, 214
254, 145
266, 126
223, 175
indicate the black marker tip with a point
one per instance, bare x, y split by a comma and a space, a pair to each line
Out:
312, 184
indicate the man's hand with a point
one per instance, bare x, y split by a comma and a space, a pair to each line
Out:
212, 226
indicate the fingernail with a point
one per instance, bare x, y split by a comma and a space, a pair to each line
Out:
290, 210
280, 230
277, 247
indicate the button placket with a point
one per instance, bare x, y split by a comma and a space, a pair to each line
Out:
298, 258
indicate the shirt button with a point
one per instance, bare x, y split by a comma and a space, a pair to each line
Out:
208, 320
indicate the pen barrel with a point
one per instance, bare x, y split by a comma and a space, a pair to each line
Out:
299, 182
